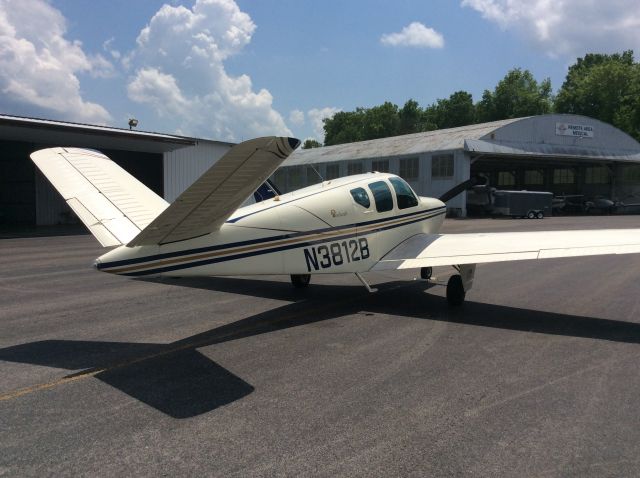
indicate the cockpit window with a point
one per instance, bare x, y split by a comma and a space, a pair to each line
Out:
404, 194
361, 197
382, 196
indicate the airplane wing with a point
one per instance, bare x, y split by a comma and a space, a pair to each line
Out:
113, 205
208, 202
428, 250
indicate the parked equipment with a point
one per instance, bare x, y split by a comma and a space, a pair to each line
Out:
529, 204
484, 200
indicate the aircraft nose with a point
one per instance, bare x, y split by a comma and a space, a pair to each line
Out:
96, 264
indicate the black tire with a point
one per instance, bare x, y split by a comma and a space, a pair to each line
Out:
539, 215
426, 273
455, 291
300, 280
531, 215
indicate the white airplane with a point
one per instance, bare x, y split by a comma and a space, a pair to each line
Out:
355, 224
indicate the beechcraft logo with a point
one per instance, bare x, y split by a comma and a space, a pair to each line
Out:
335, 213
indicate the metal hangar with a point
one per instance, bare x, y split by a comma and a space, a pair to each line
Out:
167, 164
564, 154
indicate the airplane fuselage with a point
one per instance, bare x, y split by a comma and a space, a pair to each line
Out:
344, 225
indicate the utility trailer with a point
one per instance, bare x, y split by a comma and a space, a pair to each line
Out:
530, 204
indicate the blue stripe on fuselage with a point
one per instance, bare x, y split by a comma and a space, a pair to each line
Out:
204, 262
186, 252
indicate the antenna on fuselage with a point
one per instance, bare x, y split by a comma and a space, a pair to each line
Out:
316, 171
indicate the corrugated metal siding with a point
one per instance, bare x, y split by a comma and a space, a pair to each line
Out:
51, 209
183, 166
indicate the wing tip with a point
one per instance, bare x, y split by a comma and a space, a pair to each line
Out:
293, 142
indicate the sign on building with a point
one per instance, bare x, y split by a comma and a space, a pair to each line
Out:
570, 129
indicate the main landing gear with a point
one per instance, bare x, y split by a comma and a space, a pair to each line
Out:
460, 283
300, 280
455, 291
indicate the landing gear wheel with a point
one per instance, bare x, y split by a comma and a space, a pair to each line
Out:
540, 215
531, 215
300, 280
455, 291
426, 272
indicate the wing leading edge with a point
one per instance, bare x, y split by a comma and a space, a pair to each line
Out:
428, 250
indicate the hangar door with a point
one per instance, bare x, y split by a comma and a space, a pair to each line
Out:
27, 197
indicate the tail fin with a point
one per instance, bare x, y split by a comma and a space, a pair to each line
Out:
114, 205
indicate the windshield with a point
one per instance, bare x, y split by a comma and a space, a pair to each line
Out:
404, 193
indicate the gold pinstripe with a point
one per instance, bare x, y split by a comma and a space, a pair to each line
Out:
241, 249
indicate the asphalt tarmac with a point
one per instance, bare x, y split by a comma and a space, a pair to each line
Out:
536, 375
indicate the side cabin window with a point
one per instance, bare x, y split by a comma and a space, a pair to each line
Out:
361, 197
404, 194
382, 196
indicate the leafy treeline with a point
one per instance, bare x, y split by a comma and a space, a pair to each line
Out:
606, 87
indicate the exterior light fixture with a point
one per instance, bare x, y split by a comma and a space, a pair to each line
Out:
133, 123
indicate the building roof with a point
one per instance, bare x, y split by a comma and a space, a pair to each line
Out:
533, 136
50, 132
405, 145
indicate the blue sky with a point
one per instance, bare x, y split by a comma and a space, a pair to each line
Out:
232, 70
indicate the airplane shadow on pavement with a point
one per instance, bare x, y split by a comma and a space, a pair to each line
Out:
179, 381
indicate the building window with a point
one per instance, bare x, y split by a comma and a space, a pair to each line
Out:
295, 178
380, 165
279, 178
409, 169
354, 168
506, 178
631, 173
533, 177
332, 171
442, 166
596, 175
564, 176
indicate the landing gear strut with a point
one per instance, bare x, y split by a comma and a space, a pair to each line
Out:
300, 280
455, 291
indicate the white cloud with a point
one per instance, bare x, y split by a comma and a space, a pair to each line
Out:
316, 115
414, 35
157, 88
178, 70
296, 117
563, 28
106, 46
39, 66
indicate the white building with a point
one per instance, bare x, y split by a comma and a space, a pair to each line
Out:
167, 164
564, 154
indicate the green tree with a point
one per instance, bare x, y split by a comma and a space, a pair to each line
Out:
381, 121
410, 117
311, 143
344, 127
457, 110
605, 87
362, 124
518, 94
